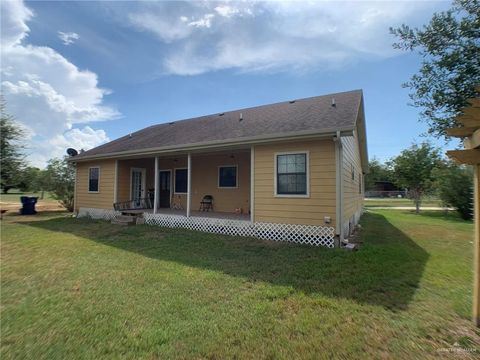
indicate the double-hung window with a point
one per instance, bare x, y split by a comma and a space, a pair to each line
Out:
292, 174
93, 179
227, 176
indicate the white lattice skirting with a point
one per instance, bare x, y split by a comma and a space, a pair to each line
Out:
301, 234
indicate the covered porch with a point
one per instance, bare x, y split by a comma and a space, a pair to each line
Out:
177, 184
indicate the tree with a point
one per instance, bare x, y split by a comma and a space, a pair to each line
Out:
60, 175
377, 172
454, 186
450, 70
41, 183
11, 157
27, 179
413, 170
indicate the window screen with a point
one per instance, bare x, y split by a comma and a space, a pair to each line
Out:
292, 174
93, 176
227, 176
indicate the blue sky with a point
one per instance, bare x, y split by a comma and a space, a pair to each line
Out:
82, 73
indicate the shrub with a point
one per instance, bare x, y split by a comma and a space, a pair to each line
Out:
454, 185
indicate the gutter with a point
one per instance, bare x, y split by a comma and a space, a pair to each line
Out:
218, 144
339, 188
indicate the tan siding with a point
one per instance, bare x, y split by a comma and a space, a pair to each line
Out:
205, 181
352, 198
104, 198
268, 208
308, 211
124, 176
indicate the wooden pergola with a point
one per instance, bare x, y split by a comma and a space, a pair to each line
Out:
470, 119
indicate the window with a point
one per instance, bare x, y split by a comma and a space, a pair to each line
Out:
292, 174
227, 176
181, 181
93, 178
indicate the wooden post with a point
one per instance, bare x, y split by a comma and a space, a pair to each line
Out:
470, 131
476, 261
189, 184
156, 187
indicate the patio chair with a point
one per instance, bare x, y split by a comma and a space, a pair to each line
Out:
207, 203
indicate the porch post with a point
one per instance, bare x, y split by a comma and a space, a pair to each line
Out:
155, 187
189, 183
252, 184
115, 183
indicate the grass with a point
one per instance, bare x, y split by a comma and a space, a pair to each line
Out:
392, 202
13, 195
75, 288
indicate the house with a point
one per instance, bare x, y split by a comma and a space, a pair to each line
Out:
287, 171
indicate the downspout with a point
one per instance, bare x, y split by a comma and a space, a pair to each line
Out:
339, 189
75, 210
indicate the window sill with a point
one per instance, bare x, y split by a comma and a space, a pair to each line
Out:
307, 196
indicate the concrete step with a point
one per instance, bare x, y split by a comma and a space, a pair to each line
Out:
126, 218
123, 222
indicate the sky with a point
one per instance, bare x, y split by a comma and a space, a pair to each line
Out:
79, 74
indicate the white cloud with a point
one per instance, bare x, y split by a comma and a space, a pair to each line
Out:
13, 24
166, 28
85, 138
204, 21
226, 10
47, 93
273, 36
68, 38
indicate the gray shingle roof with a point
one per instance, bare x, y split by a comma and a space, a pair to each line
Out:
304, 115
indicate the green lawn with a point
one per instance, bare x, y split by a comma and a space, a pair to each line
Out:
76, 288
392, 202
14, 196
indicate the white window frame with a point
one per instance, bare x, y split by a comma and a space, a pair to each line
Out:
275, 175
218, 177
88, 179
144, 180
175, 181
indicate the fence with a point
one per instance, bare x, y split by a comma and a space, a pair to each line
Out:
386, 194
